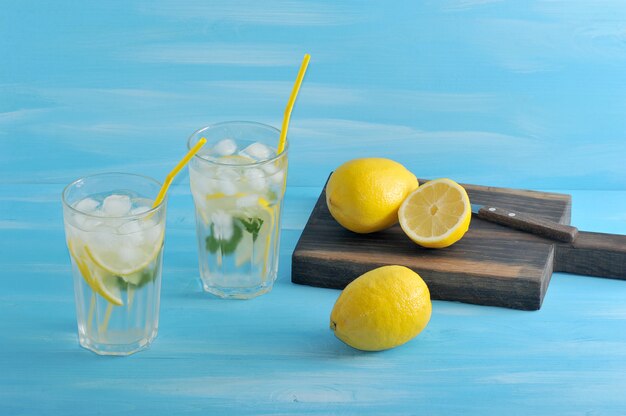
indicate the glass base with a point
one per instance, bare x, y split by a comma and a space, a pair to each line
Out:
237, 292
116, 349
237, 285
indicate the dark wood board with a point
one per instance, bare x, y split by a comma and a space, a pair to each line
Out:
492, 264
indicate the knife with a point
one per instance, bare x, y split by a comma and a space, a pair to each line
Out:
525, 222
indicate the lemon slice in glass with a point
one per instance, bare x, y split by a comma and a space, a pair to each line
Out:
259, 246
80, 261
103, 283
107, 286
243, 253
115, 261
437, 214
264, 239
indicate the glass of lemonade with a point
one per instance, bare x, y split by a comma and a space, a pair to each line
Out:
238, 183
115, 239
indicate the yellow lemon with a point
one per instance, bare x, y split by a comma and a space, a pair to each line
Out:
103, 283
112, 260
382, 309
364, 195
437, 214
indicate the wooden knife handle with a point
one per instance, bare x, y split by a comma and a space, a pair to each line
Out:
539, 226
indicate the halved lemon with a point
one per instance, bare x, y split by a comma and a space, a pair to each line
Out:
437, 214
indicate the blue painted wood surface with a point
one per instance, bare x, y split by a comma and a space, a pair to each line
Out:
527, 94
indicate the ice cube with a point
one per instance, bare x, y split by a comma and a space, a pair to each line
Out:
278, 177
256, 178
269, 168
257, 151
130, 254
129, 227
153, 235
273, 173
199, 196
230, 174
140, 210
202, 184
222, 225
201, 169
207, 186
91, 224
87, 205
86, 223
227, 187
247, 201
131, 232
227, 179
225, 147
116, 205
102, 240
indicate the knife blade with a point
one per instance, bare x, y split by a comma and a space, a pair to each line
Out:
525, 222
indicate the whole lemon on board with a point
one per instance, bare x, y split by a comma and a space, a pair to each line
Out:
382, 309
364, 195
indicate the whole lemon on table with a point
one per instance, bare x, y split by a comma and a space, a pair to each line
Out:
364, 195
382, 309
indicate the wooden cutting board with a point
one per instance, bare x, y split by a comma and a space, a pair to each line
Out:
491, 265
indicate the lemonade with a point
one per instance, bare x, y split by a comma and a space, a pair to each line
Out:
115, 240
238, 183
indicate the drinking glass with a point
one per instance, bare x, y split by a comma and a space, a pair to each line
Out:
115, 240
238, 183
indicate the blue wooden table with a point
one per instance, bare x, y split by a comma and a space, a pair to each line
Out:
527, 94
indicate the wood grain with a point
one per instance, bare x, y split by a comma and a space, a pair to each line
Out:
491, 265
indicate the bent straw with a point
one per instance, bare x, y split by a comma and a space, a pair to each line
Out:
291, 102
170, 176
168, 181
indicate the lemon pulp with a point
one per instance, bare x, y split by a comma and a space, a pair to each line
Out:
437, 214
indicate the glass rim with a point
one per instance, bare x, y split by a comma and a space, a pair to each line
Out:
253, 123
152, 210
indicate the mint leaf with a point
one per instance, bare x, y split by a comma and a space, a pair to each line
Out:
252, 225
229, 246
138, 279
226, 246
212, 243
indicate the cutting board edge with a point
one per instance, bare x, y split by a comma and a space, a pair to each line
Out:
531, 290
593, 254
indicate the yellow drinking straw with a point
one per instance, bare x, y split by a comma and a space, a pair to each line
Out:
168, 181
290, 103
170, 176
